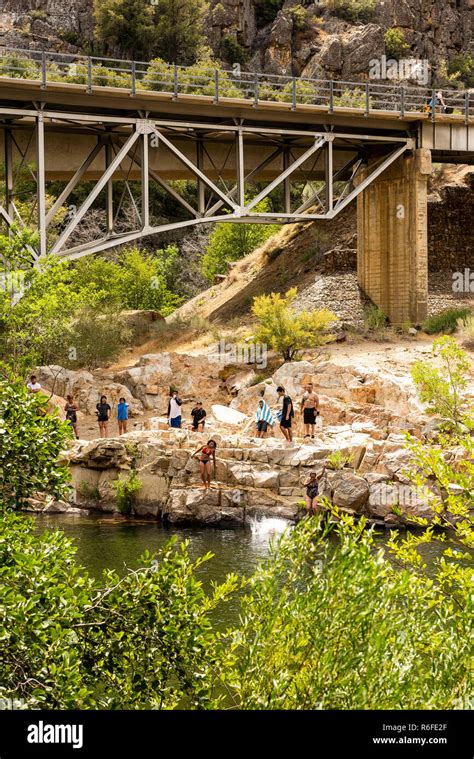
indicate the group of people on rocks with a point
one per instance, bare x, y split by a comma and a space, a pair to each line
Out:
309, 406
206, 454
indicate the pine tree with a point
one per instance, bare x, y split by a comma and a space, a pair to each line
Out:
170, 29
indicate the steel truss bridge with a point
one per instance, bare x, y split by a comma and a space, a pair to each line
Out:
66, 120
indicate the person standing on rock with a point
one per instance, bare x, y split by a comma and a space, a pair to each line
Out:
33, 385
174, 410
71, 408
122, 416
199, 417
264, 418
103, 411
312, 491
310, 410
286, 414
207, 453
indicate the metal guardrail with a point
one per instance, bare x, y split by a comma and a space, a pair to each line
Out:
46, 68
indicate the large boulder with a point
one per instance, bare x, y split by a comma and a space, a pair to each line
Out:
203, 507
349, 491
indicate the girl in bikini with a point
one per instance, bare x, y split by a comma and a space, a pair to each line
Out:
207, 453
312, 490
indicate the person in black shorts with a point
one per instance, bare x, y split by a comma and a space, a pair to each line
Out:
312, 491
287, 414
103, 411
71, 410
199, 417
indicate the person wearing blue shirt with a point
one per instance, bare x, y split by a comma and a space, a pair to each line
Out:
122, 416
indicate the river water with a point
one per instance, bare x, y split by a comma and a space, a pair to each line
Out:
104, 542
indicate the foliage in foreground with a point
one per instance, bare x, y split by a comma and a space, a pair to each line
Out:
284, 330
30, 442
442, 388
322, 625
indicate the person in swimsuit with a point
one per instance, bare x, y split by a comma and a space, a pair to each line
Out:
309, 406
207, 454
312, 491
71, 410
103, 410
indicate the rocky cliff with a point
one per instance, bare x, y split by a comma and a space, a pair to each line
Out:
301, 38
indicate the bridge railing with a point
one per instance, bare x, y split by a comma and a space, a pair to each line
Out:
91, 72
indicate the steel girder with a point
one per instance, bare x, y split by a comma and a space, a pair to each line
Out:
125, 144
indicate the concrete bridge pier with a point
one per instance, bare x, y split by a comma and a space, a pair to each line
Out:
392, 233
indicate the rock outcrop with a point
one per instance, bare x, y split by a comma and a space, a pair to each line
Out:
254, 478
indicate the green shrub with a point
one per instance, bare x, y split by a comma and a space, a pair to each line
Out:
353, 10
284, 330
231, 242
442, 388
15, 67
375, 318
337, 460
31, 441
126, 491
462, 65
395, 44
446, 321
232, 51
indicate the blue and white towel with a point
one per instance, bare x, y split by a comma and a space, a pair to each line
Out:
264, 414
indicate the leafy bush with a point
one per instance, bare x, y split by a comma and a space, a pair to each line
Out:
446, 321
98, 336
231, 242
355, 634
337, 460
287, 332
125, 492
442, 389
232, 51
31, 441
395, 44
15, 67
462, 66
198, 79
144, 640
353, 10
375, 318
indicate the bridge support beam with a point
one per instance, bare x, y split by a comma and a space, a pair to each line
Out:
392, 234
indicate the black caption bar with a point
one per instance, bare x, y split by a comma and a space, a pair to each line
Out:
126, 734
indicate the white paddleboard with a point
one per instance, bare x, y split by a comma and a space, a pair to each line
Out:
228, 415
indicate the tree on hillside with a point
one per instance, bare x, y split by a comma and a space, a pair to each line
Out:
171, 29
125, 27
231, 242
180, 30
284, 330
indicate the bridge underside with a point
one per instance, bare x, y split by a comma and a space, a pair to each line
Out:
239, 173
